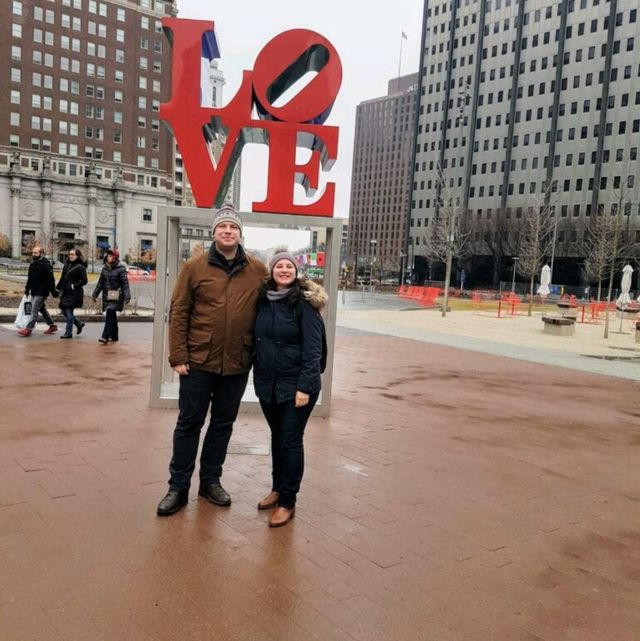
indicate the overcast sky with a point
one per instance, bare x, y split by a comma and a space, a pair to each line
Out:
366, 37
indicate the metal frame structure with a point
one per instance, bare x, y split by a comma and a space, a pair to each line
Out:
164, 384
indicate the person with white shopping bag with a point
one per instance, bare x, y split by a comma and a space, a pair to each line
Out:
40, 283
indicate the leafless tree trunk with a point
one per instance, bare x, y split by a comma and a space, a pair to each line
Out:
598, 249
536, 239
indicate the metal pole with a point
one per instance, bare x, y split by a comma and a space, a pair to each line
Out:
447, 277
555, 235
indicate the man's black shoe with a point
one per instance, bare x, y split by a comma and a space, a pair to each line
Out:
216, 494
173, 502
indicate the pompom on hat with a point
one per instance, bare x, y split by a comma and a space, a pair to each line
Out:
226, 214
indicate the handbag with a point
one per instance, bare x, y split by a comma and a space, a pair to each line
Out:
113, 294
23, 317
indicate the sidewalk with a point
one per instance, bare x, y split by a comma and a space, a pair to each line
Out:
520, 337
452, 496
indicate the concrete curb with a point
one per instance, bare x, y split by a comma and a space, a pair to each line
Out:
91, 318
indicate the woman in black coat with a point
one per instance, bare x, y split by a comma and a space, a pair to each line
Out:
70, 288
114, 286
289, 334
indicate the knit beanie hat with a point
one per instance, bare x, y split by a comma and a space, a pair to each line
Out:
282, 255
226, 214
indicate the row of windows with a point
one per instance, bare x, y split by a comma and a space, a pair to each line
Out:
537, 14
91, 70
573, 133
96, 8
533, 188
72, 86
74, 44
88, 151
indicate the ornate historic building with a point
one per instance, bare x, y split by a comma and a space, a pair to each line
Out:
83, 156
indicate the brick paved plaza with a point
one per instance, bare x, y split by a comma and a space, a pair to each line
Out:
452, 496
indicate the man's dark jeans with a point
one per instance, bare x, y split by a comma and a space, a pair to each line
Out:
38, 306
198, 391
287, 423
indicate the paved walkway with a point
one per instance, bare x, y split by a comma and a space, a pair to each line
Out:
520, 337
452, 496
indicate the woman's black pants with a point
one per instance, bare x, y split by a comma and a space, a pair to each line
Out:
110, 330
287, 423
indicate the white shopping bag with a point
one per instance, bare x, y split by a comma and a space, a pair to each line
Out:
24, 315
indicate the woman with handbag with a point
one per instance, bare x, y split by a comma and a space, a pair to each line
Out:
289, 350
114, 286
70, 288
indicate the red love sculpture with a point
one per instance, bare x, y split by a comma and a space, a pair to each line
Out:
298, 123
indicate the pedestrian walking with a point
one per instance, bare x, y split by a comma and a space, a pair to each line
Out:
113, 284
290, 351
71, 292
211, 348
40, 283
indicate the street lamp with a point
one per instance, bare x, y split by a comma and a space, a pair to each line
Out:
513, 275
402, 268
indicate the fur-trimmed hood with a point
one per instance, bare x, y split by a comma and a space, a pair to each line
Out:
315, 294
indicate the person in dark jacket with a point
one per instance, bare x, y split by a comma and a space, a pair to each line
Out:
213, 311
40, 283
113, 284
288, 337
70, 288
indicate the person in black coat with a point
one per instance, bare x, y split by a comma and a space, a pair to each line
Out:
114, 286
288, 340
70, 288
40, 283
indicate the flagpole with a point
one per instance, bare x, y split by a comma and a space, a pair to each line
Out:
400, 57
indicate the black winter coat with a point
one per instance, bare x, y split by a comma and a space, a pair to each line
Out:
113, 276
40, 281
71, 283
288, 345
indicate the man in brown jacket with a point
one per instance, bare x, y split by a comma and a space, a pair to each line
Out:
210, 347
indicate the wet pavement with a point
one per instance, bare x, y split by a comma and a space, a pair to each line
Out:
452, 496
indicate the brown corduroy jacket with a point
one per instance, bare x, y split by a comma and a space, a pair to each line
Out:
213, 313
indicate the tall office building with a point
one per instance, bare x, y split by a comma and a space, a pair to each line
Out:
380, 183
83, 155
192, 237
522, 102
212, 82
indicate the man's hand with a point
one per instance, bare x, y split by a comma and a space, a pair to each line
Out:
302, 399
183, 370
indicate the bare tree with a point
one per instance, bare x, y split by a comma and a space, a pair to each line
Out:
622, 244
598, 248
535, 240
495, 236
449, 236
5, 245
